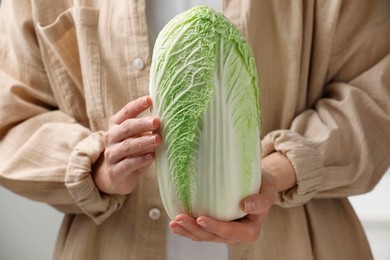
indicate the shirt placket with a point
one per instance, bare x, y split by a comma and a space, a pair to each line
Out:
137, 46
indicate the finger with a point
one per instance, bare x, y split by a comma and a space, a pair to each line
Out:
129, 165
257, 203
131, 110
131, 147
179, 230
182, 231
130, 128
261, 202
246, 230
143, 152
189, 224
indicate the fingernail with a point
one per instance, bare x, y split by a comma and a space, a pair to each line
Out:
250, 205
202, 223
177, 230
154, 124
145, 101
157, 138
149, 156
152, 138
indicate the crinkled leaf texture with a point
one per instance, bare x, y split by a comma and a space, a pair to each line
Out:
204, 86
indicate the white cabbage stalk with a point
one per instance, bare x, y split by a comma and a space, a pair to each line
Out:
204, 86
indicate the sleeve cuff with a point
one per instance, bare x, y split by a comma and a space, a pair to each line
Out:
307, 163
98, 206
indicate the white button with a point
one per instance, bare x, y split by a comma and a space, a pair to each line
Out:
138, 63
154, 213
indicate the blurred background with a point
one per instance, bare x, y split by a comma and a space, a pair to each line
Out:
28, 229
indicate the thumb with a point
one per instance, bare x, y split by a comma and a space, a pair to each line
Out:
254, 204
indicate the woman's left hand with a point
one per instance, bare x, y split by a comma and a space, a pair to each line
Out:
244, 230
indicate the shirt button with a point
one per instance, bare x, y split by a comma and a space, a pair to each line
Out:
154, 213
138, 63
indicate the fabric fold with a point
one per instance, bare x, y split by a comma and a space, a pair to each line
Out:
97, 205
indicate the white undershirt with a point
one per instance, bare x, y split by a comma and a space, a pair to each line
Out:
159, 13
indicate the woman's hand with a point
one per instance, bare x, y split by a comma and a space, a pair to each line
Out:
246, 229
129, 145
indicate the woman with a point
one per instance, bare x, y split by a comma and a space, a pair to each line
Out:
69, 133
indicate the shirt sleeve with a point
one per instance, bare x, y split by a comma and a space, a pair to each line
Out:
45, 154
341, 145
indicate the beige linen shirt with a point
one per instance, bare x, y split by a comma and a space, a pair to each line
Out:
324, 75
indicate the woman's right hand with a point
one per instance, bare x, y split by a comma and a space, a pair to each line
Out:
129, 145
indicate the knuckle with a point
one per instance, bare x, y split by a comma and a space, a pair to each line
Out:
123, 128
140, 144
108, 155
106, 138
127, 110
126, 164
129, 165
126, 145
